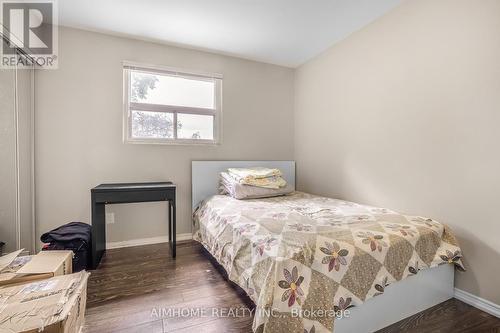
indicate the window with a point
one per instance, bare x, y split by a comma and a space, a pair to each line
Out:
164, 105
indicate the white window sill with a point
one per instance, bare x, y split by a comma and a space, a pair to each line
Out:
177, 142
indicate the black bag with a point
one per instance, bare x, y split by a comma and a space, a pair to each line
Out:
75, 236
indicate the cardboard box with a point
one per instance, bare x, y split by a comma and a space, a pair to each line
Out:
55, 305
7, 259
44, 265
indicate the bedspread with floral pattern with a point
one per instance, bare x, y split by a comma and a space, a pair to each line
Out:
303, 259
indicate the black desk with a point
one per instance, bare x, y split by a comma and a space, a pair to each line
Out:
127, 193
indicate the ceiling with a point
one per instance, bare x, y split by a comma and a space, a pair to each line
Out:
283, 32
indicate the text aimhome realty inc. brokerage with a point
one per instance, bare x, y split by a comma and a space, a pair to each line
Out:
239, 312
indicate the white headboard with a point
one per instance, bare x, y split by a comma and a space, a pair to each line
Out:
205, 175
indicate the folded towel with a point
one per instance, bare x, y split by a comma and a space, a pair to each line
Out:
260, 177
254, 173
230, 186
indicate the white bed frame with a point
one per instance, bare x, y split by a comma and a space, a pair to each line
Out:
400, 300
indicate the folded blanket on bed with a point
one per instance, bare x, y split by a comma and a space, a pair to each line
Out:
260, 177
229, 185
254, 173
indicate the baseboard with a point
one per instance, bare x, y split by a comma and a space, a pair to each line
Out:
146, 241
184, 237
478, 302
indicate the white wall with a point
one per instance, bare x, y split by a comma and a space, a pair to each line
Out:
79, 129
405, 114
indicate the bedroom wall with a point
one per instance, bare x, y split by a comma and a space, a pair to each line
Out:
79, 129
405, 114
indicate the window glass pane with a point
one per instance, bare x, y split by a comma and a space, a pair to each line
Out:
171, 90
195, 126
147, 124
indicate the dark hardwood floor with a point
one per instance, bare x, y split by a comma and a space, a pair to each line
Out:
135, 288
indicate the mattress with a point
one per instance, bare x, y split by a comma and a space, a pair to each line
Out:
305, 260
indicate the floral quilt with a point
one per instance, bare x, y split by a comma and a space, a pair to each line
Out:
305, 259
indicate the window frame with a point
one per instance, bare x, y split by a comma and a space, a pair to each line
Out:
128, 106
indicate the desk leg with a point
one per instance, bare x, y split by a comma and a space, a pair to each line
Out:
170, 223
98, 233
171, 228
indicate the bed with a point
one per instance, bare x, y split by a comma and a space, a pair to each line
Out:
315, 264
